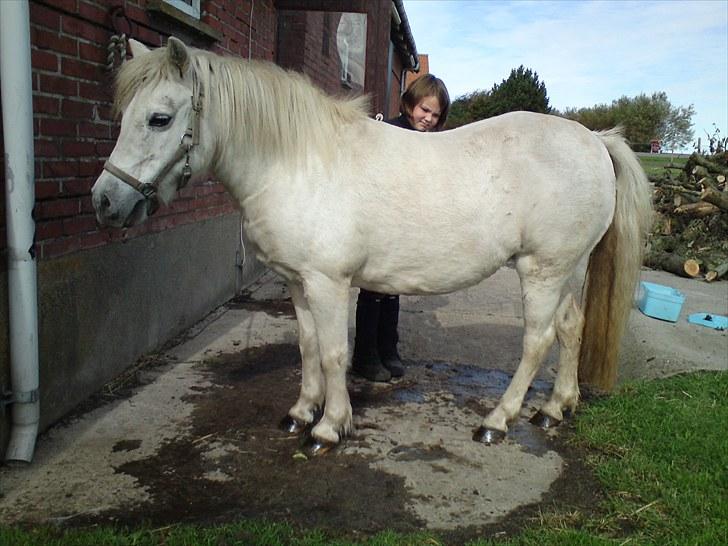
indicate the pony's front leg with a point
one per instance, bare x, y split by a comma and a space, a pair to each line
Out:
328, 301
311, 397
569, 325
539, 304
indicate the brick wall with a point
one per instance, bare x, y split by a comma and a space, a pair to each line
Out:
307, 43
74, 129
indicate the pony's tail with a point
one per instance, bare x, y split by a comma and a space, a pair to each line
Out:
614, 267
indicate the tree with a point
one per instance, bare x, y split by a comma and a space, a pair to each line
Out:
678, 131
643, 118
522, 90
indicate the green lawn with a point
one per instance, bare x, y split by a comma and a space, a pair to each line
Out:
655, 164
659, 448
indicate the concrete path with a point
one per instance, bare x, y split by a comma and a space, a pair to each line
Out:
413, 436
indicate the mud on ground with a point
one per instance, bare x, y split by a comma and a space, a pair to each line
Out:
410, 465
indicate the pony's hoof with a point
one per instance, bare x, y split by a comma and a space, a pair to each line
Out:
293, 426
488, 436
315, 448
542, 420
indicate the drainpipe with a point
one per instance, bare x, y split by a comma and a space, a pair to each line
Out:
17, 102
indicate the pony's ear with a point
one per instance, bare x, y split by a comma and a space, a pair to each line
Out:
177, 53
137, 48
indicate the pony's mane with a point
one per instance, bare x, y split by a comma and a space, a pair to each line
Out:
261, 106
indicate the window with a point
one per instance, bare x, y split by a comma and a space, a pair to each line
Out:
190, 7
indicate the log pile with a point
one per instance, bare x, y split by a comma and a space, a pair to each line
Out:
690, 233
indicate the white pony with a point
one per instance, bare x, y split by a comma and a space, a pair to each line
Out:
333, 199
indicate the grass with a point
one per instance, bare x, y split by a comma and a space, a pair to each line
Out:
655, 164
659, 448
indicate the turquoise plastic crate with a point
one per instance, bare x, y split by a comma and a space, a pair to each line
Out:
661, 302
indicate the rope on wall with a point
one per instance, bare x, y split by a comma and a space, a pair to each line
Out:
116, 48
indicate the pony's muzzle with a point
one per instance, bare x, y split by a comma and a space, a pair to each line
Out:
116, 204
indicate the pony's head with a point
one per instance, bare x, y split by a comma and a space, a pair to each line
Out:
159, 148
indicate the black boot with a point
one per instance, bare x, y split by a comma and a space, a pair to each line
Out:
366, 361
388, 336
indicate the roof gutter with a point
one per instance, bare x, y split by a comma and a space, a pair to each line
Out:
17, 116
400, 16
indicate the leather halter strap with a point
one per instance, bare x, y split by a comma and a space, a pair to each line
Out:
190, 138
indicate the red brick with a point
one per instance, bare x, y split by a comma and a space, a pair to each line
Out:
76, 109
45, 17
46, 148
104, 112
79, 224
88, 129
93, 13
87, 206
52, 41
58, 85
90, 168
78, 148
136, 13
77, 186
44, 60
82, 29
60, 169
147, 36
70, 6
80, 69
104, 149
57, 208
45, 105
45, 189
92, 52
97, 91
48, 230
58, 127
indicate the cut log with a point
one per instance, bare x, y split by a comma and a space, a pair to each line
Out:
682, 190
711, 166
699, 209
717, 273
673, 263
692, 268
717, 198
700, 172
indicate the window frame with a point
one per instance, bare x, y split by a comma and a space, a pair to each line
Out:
193, 10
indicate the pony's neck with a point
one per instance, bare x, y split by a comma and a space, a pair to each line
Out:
264, 116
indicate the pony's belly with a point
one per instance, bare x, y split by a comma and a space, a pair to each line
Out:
435, 278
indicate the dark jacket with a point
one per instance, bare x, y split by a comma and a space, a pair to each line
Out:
400, 121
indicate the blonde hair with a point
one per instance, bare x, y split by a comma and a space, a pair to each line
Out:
423, 87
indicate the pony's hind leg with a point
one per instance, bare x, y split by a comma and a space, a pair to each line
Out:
311, 398
541, 296
329, 304
569, 322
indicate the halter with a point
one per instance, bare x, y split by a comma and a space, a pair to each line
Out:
190, 138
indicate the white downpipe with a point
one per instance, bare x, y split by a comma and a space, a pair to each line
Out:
17, 103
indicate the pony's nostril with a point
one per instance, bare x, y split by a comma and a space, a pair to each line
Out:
105, 203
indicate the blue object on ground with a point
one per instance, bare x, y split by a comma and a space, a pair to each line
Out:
717, 322
661, 302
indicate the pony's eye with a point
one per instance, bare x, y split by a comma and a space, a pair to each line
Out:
159, 120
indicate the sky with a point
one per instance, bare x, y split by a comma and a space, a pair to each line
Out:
586, 52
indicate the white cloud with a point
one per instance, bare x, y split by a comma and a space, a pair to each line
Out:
586, 52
